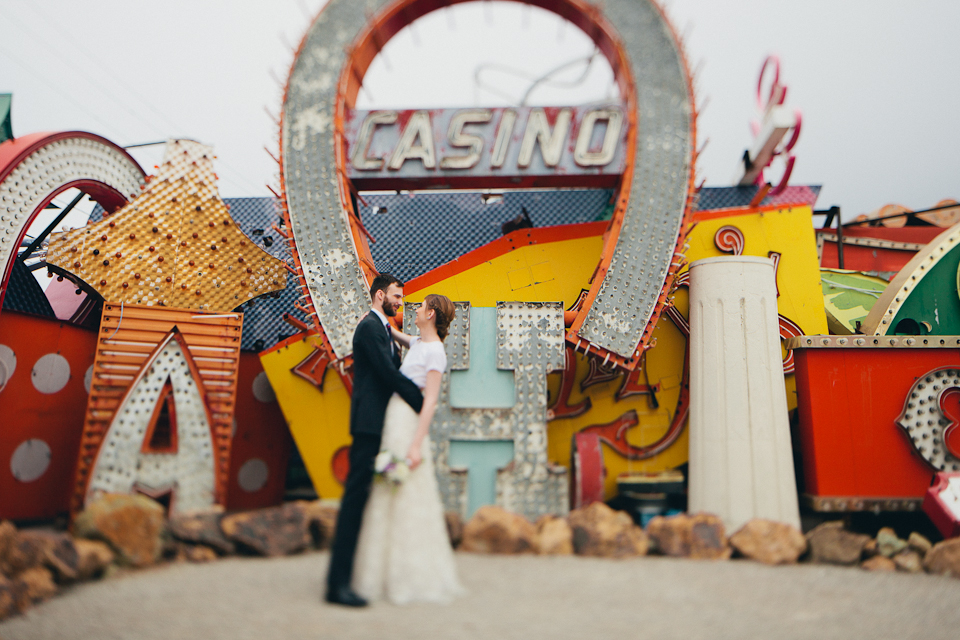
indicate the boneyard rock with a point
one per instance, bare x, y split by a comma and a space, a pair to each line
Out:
454, 528
8, 534
700, 535
554, 536
909, 561
186, 552
13, 597
57, 551
38, 583
495, 530
321, 518
598, 530
888, 544
832, 544
18, 553
878, 563
203, 529
133, 526
919, 543
276, 531
93, 558
944, 558
769, 542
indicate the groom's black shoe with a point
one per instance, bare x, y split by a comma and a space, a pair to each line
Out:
346, 597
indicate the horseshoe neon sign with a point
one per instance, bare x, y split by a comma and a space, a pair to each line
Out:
643, 245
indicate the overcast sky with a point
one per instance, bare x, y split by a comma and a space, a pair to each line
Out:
876, 80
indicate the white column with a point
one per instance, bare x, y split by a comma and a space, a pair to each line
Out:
741, 461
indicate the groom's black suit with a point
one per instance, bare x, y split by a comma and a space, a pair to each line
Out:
376, 377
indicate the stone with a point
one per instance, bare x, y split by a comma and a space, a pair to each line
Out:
200, 553
944, 558
201, 528
769, 542
700, 535
321, 518
830, 543
8, 534
554, 536
454, 528
272, 532
38, 583
909, 560
133, 525
870, 549
13, 597
878, 563
58, 552
919, 543
888, 543
186, 552
93, 558
19, 552
493, 529
598, 530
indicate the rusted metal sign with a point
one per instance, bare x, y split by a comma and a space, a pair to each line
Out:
468, 148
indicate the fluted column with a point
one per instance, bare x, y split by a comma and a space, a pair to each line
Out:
741, 460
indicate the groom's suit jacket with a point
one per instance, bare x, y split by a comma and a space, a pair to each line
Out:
376, 377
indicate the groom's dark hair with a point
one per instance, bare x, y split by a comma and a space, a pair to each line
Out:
382, 282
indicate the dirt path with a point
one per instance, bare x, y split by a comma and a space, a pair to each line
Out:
511, 597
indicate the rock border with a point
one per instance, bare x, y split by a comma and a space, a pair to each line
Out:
121, 531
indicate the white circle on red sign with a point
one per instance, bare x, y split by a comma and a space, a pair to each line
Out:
50, 373
253, 475
30, 460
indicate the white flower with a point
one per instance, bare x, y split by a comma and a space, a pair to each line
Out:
382, 461
401, 472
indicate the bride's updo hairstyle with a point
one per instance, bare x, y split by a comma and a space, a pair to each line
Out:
443, 312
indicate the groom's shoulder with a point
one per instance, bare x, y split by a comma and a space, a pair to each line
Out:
365, 323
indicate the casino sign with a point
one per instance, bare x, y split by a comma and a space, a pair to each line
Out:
470, 148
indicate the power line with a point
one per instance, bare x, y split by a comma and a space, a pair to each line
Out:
41, 76
109, 72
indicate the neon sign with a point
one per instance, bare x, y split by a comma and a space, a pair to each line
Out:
520, 147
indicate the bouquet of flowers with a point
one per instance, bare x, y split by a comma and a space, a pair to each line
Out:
389, 468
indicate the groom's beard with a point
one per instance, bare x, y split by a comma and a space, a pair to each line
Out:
389, 309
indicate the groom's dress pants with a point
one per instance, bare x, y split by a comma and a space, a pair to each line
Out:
363, 452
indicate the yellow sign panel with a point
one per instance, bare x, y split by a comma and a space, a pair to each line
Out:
588, 396
319, 421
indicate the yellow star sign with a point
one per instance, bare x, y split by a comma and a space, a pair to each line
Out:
175, 245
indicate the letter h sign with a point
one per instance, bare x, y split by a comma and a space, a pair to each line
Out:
468, 443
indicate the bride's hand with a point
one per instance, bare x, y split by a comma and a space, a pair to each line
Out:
413, 457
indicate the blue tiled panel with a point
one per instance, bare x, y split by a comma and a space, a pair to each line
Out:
419, 232
25, 294
263, 324
727, 197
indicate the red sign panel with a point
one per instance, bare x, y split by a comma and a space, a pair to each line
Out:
470, 148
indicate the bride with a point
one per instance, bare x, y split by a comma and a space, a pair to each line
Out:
403, 552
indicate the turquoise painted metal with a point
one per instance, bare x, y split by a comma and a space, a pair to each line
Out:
483, 386
482, 459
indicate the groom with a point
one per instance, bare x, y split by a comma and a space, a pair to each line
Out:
376, 376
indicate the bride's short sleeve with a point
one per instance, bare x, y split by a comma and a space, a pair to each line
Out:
436, 358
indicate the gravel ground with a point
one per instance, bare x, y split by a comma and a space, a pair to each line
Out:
524, 597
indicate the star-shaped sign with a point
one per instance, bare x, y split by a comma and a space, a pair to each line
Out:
175, 245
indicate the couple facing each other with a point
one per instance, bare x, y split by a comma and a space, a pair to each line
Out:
391, 542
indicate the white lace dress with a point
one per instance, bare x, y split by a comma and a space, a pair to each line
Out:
403, 553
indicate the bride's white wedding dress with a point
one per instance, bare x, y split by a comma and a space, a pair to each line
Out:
403, 552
